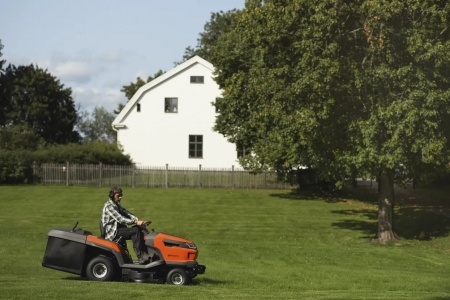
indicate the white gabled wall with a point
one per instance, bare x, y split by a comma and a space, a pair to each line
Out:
155, 138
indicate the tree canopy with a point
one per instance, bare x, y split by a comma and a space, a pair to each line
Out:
133, 87
220, 23
33, 97
21, 137
96, 126
2, 61
352, 88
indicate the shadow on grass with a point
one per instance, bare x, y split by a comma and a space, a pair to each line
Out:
195, 281
310, 196
420, 224
411, 222
75, 278
208, 281
368, 228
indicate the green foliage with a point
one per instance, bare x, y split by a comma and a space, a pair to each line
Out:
119, 108
18, 137
133, 87
16, 166
350, 88
220, 23
255, 245
31, 96
2, 62
96, 126
88, 153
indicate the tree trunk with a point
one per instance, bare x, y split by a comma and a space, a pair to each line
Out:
386, 231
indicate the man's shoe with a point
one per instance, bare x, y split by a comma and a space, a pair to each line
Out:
147, 256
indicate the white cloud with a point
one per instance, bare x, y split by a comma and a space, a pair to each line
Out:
83, 67
113, 56
73, 71
88, 98
92, 77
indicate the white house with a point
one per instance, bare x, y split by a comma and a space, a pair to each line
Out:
170, 119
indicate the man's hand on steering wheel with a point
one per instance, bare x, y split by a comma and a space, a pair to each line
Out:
142, 222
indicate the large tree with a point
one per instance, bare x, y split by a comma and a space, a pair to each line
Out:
352, 88
32, 97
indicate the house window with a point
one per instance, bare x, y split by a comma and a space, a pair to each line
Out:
240, 149
138, 107
171, 105
241, 152
195, 146
197, 79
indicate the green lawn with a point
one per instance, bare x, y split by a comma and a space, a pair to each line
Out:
255, 244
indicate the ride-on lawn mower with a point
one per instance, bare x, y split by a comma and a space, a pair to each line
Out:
77, 251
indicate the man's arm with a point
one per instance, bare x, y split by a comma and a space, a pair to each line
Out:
113, 213
129, 214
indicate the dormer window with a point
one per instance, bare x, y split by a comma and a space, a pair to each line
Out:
197, 79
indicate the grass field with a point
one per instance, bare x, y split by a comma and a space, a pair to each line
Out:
255, 244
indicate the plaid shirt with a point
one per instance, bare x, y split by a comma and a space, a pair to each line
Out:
113, 215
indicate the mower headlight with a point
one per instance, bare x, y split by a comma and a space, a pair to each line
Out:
190, 246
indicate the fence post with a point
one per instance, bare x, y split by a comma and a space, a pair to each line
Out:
200, 175
100, 174
167, 176
232, 177
67, 173
133, 178
34, 172
265, 179
120, 175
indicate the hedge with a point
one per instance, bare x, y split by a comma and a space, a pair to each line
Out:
16, 166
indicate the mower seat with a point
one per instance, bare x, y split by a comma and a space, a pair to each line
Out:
119, 240
102, 230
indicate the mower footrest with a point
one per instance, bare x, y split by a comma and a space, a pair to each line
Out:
143, 277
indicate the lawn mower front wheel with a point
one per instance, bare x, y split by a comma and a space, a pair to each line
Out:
178, 276
100, 268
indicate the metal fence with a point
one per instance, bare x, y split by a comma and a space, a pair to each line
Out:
158, 177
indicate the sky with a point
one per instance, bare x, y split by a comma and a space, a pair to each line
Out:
95, 47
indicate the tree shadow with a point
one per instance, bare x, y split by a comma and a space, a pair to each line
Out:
420, 224
411, 220
368, 229
310, 195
